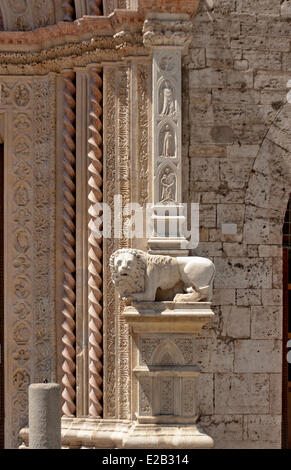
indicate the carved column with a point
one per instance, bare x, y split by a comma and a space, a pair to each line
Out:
95, 7
167, 48
69, 10
95, 244
69, 231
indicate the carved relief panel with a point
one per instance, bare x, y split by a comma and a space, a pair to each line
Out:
28, 106
164, 376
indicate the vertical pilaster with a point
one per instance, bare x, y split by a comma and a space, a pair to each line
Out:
110, 304
168, 216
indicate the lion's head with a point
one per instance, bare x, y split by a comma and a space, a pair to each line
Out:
128, 271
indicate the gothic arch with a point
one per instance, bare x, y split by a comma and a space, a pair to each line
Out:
269, 184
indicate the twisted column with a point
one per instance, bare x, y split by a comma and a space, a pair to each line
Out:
68, 7
95, 7
95, 245
69, 229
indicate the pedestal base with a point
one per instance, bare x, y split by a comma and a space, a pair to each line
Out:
90, 433
151, 436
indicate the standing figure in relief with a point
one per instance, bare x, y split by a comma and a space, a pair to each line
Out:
168, 143
168, 181
168, 100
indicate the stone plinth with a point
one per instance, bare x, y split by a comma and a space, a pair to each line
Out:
164, 373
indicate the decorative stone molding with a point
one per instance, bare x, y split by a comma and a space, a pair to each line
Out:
167, 150
95, 243
69, 231
28, 106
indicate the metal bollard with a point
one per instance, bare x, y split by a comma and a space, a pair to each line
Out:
44, 416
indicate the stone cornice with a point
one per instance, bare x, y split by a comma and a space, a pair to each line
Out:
97, 39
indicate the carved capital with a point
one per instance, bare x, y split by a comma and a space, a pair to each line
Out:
167, 32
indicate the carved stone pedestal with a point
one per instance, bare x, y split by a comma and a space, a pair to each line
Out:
164, 412
164, 374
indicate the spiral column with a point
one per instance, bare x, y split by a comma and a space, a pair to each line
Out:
95, 243
95, 7
69, 10
69, 230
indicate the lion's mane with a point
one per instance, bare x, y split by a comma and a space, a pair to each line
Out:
135, 281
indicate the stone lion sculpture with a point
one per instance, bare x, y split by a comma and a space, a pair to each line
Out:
137, 275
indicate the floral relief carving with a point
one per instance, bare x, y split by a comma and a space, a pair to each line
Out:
188, 397
21, 379
168, 64
22, 310
21, 95
18, 6
43, 13
21, 195
124, 188
167, 142
21, 333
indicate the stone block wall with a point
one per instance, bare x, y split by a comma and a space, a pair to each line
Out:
237, 143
